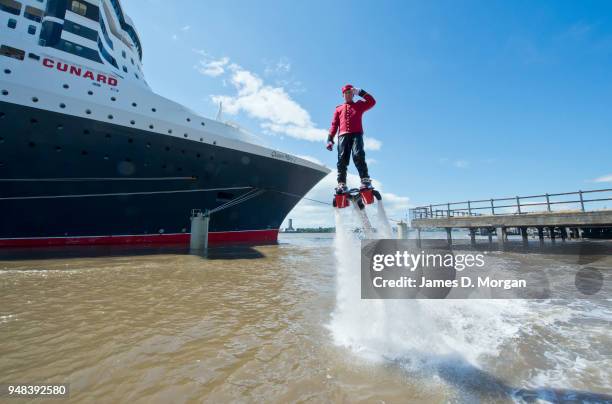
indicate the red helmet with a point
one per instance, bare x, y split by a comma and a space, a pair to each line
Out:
346, 88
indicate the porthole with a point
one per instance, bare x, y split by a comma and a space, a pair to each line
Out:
33, 121
106, 157
161, 231
85, 131
113, 99
134, 104
2, 115
180, 169
60, 127
90, 92
4, 92
182, 151
198, 155
164, 166
214, 142
154, 109
188, 119
130, 140
88, 111
201, 139
133, 122
167, 148
203, 124
34, 99
170, 131
150, 126
185, 135
110, 117
66, 86
127, 159
58, 149
32, 144
7, 71
1, 163
108, 136
1, 139
184, 229
62, 105
148, 145
83, 152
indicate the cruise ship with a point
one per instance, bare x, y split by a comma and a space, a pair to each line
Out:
89, 154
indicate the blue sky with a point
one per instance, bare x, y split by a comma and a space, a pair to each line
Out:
476, 99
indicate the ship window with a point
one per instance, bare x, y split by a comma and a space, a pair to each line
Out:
10, 6
11, 52
78, 7
33, 56
31, 30
132, 60
123, 54
33, 13
12, 23
136, 75
125, 69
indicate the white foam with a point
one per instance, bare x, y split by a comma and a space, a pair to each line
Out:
403, 329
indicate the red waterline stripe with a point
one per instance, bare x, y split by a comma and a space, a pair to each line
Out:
224, 237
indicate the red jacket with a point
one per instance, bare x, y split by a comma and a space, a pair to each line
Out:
347, 116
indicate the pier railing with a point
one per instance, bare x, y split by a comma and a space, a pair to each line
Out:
517, 205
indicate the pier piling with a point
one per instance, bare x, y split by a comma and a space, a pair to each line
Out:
199, 231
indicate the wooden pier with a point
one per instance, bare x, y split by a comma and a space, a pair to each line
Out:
523, 213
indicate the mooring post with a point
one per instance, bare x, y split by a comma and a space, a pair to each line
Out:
552, 233
490, 234
541, 234
449, 236
199, 230
563, 233
472, 236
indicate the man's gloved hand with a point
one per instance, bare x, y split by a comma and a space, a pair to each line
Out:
330, 143
359, 91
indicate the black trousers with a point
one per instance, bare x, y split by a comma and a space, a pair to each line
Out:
347, 144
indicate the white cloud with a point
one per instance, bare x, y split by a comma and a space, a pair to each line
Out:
212, 68
186, 28
605, 178
273, 106
461, 163
281, 66
371, 143
174, 37
314, 214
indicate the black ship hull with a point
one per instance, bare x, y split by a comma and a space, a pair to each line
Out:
71, 180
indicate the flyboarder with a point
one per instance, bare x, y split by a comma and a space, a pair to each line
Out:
347, 123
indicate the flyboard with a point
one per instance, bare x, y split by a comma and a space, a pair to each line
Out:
359, 198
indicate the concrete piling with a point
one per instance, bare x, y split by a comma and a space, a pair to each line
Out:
402, 230
524, 235
502, 236
199, 231
541, 234
472, 236
449, 236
